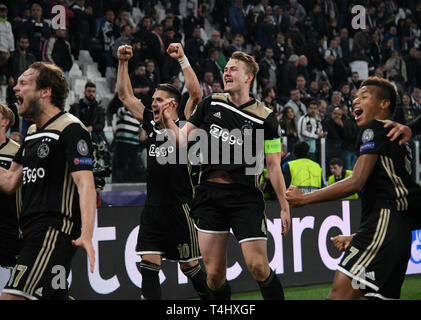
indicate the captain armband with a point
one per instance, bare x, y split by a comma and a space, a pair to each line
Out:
273, 146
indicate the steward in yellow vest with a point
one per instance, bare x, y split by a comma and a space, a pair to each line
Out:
303, 172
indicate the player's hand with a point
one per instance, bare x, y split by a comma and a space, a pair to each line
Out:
124, 53
175, 50
341, 242
398, 130
295, 197
87, 245
286, 220
167, 108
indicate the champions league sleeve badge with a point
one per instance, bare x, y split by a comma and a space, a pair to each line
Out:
82, 147
368, 135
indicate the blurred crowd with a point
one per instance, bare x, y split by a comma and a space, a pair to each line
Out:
312, 55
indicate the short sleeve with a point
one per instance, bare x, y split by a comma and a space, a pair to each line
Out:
198, 113
147, 120
18, 156
78, 149
271, 127
373, 139
272, 139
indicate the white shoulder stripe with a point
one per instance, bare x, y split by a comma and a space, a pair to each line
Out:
245, 115
6, 159
54, 136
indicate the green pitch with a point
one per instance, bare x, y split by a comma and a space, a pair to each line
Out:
411, 290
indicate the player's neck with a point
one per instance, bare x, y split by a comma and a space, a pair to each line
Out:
2, 138
239, 98
48, 112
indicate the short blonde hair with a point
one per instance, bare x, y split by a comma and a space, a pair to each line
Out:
7, 113
252, 66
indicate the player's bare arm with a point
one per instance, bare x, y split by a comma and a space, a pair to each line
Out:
354, 183
124, 86
11, 179
85, 184
175, 51
276, 177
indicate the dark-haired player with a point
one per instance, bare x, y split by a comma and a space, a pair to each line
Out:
9, 203
166, 229
54, 168
228, 194
376, 256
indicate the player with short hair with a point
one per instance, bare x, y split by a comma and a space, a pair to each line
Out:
54, 168
9, 203
376, 256
166, 229
228, 194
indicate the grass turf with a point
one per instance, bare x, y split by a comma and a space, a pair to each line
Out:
411, 290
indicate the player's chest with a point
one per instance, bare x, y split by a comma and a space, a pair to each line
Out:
42, 150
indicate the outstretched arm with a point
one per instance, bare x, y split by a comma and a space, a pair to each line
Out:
273, 161
354, 183
175, 50
124, 86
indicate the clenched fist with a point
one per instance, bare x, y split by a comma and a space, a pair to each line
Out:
124, 53
175, 50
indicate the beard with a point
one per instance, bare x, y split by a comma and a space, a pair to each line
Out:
33, 110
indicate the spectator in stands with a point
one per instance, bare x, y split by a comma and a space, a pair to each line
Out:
288, 76
313, 90
237, 44
396, 62
108, 33
296, 104
333, 127
407, 110
125, 38
7, 43
266, 30
303, 172
139, 54
211, 64
281, 49
195, 50
269, 100
355, 81
335, 101
206, 84
325, 92
339, 173
322, 109
156, 46
310, 130
153, 74
350, 144
217, 87
289, 129
346, 99
83, 27
38, 31
142, 87
216, 42
91, 113
237, 18
190, 22
302, 86
57, 50
19, 61
268, 70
